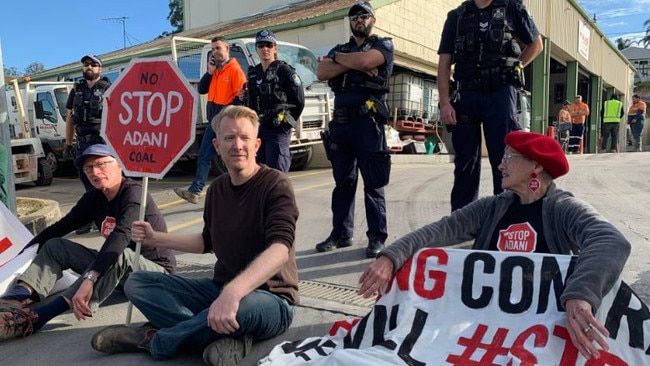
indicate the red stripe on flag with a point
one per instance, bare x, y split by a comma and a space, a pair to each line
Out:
5, 244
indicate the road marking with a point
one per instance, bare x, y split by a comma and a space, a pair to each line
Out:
185, 225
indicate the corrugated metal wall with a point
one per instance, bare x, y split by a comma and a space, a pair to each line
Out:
559, 20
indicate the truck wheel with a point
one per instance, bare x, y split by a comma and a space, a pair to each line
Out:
302, 159
44, 173
50, 158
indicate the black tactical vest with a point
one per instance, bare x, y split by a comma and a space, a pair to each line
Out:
265, 89
470, 50
355, 80
88, 112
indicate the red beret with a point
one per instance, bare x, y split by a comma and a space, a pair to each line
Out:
540, 148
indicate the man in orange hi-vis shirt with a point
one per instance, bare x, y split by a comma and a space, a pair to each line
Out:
636, 120
222, 82
579, 112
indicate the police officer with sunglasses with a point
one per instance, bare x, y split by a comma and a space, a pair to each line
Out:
358, 73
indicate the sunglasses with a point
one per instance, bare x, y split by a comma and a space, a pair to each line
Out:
91, 64
264, 45
354, 18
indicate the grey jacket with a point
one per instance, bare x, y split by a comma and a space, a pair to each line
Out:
570, 226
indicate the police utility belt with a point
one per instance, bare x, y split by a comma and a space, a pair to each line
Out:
89, 139
508, 72
372, 107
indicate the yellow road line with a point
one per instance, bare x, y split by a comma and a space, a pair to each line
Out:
185, 225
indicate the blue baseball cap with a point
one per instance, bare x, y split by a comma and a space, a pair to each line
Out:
362, 5
265, 35
94, 150
92, 58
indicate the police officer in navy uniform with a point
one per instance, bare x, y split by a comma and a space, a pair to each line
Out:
482, 38
84, 115
274, 91
358, 73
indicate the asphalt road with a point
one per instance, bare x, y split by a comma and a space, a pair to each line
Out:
617, 185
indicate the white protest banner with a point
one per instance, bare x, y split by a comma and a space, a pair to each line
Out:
475, 308
13, 238
13, 235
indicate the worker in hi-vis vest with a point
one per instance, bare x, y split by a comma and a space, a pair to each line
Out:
612, 114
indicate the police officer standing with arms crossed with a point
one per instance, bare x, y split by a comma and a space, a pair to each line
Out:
84, 115
482, 38
358, 73
274, 91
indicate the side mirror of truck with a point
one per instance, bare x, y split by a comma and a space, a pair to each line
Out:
38, 109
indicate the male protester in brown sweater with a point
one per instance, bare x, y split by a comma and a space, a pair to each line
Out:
249, 223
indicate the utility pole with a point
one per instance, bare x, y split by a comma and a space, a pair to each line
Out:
123, 21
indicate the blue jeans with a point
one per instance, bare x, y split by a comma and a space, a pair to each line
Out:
179, 307
207, 152
637, 128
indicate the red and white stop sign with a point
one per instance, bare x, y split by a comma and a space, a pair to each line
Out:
149, 116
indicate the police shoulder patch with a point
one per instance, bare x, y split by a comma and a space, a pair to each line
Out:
296, 79
388, 43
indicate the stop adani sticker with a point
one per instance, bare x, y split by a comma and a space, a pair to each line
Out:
518, 238
108, 225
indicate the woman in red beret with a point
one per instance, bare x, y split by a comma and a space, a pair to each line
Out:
530, 202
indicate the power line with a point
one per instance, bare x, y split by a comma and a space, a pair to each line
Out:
123, 21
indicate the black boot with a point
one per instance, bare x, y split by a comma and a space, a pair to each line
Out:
330, 244
374, 247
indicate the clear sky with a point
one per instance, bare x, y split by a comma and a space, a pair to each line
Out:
619, 18
57, 32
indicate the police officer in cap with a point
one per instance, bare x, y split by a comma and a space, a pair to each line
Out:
84, 115
358, 73
482, 38
274, 90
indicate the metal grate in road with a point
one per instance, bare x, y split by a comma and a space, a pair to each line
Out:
317, 290
332, 292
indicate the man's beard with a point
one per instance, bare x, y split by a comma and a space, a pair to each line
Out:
90, 75
362, 33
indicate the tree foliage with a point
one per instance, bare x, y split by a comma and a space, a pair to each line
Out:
175, 17
623, 43
11, 71
646, 40
34, 68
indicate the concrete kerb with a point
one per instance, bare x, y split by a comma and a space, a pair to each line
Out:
48, 214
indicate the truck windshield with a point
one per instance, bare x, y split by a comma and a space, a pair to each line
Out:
61, 95
302, 59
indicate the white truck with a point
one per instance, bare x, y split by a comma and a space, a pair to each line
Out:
37, 111
192, 56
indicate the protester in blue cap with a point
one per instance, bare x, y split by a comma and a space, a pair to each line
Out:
113, 204
274, 90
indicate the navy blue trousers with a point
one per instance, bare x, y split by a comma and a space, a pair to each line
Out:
497, 112
359, 145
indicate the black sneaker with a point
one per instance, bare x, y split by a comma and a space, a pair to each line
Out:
330, 244
374, 247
